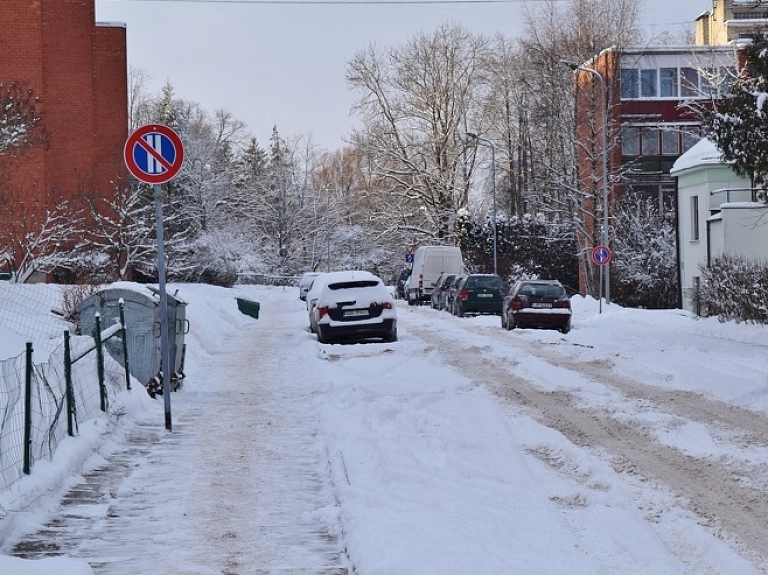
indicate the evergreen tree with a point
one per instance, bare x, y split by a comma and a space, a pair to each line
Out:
738, 124
165, 108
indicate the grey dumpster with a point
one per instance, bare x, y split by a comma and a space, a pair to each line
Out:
142, 319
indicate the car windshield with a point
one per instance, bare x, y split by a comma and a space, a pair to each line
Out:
539, 290
353, 284
485, 282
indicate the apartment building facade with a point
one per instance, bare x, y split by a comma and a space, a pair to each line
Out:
78, 68
731, 20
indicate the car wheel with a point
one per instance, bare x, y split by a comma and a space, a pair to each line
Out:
565, 329
459, 311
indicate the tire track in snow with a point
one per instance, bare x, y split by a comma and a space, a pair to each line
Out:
732, 509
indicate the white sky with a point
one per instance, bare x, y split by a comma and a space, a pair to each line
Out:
285, 451
285, 65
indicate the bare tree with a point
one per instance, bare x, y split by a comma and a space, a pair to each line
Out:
577, 30
124, 230
417, 102
40, 242
140, 104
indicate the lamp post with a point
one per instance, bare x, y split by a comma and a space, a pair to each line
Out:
477, 138
604, 129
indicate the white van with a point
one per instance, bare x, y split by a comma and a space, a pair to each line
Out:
428, 263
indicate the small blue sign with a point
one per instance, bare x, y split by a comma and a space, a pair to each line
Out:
409, 258
601, 255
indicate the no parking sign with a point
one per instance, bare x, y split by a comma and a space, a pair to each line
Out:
154, 154
601, 255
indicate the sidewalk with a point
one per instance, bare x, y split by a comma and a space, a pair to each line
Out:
239, 486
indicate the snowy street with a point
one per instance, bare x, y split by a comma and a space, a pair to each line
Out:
636, 444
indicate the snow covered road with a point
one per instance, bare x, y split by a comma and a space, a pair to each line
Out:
636, 444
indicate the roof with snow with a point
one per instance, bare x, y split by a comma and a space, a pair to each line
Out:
703, 153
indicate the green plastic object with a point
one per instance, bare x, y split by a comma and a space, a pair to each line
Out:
248, 307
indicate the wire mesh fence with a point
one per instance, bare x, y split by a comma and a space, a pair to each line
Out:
41, 403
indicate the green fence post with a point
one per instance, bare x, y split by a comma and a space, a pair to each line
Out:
100, 364
28, 411
125, 345
68, 379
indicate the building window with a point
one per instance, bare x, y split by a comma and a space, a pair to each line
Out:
682, 82
691, 137
649, 83
717, 81
630, 141
668, 82
650, 141
689, 82
670, 142
750, 15
694, 218
629, 83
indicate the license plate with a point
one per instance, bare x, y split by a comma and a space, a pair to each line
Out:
541, 305
355, 312
485, 295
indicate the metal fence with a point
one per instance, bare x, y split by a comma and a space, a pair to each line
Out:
42, 403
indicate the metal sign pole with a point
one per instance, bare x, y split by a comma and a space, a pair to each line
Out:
165, 367
600, 290
154, 154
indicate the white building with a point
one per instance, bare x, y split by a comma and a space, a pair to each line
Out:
717, 215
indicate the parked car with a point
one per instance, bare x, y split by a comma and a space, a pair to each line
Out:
400, 285
311, 300
537, 304
428, 263
304, 283
441, 286
450, 293
478, 293
354, 305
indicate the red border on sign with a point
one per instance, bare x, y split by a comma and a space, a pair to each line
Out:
594, 255
136, 139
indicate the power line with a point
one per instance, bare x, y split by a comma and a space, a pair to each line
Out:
321, 2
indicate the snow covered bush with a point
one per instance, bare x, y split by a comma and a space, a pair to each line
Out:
733, 288
644, 264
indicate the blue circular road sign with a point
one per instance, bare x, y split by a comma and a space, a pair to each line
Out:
601, 255
154, 154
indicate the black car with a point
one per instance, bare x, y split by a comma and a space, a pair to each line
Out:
537, 304
478, 293
450, 293
441, 286
400, 285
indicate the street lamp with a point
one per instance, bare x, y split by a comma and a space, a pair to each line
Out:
604, 129
493, 187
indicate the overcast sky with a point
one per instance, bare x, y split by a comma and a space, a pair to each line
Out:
280, 64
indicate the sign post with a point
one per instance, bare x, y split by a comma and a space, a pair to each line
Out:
601, 256
154, 154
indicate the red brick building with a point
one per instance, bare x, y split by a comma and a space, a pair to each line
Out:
79, 70
650, 123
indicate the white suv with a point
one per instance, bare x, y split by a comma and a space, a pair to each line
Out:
354, 305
